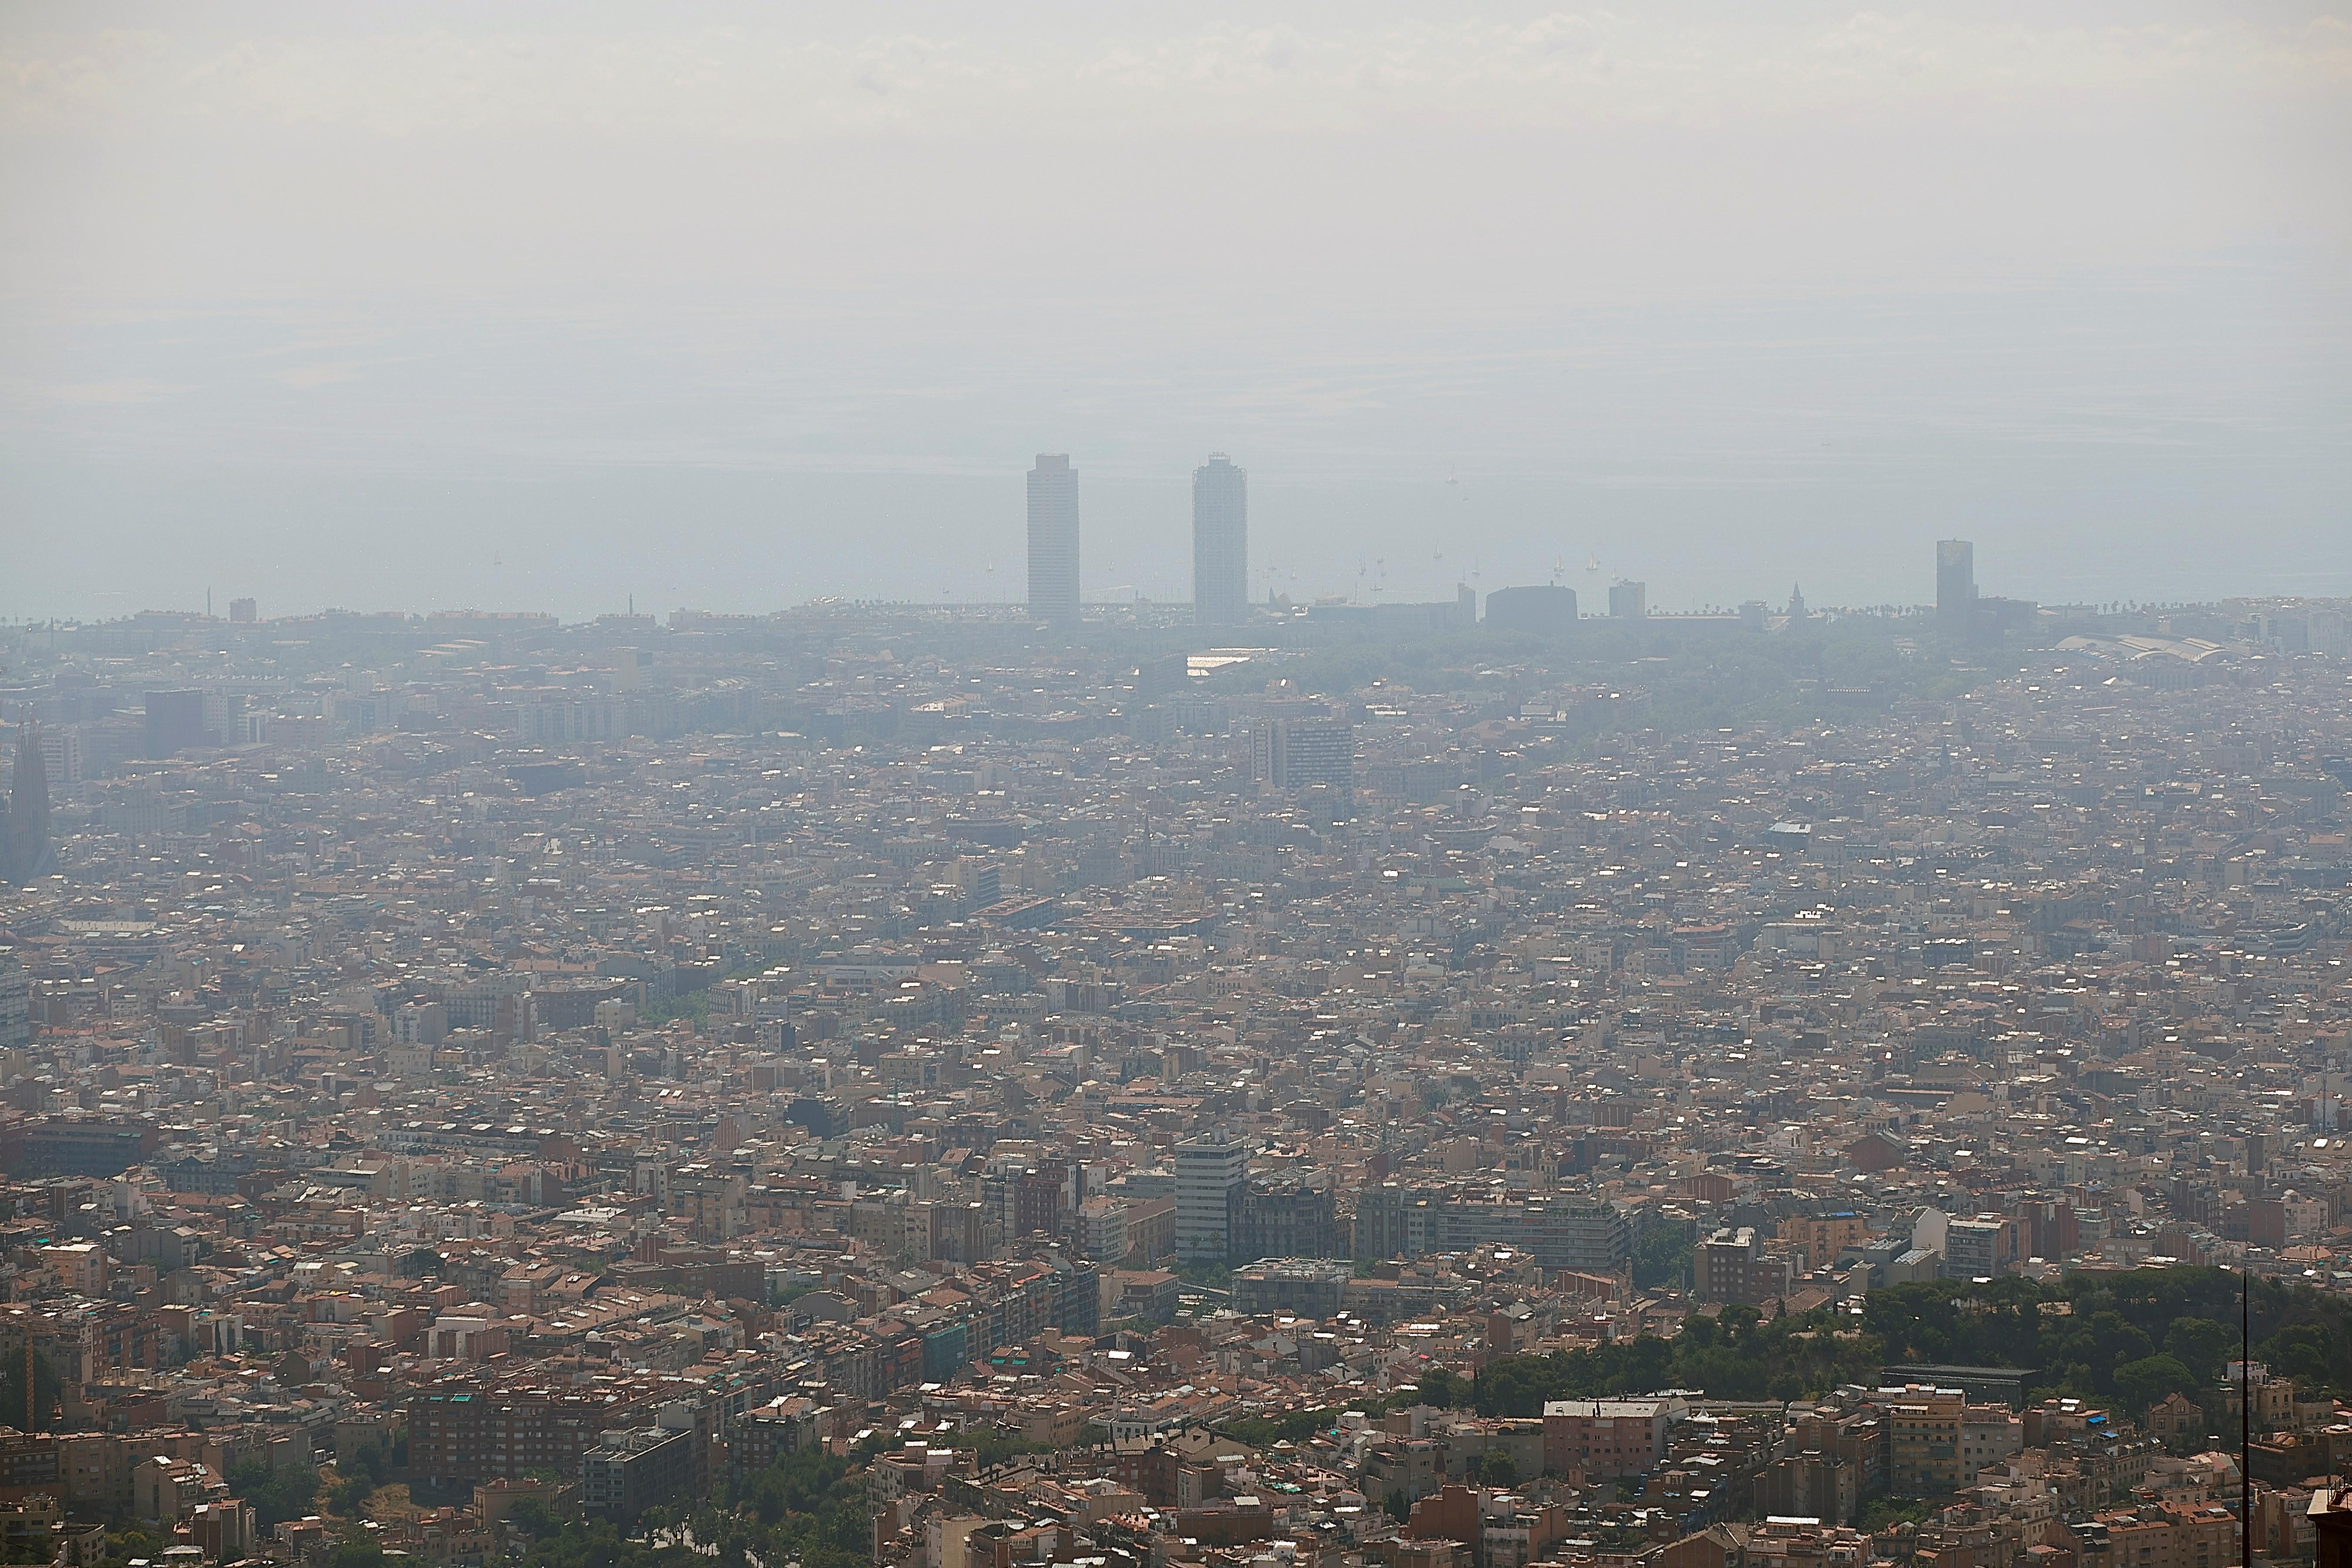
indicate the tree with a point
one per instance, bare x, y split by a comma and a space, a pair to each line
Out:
1266, 1431
2149, 1381
2081, 1330
1738, 1320
1663, 1255
1498, 1468
277, 1495
2305, 1351
1442, 1388
2115, 1340
348, 1496
2202, 1344
536, 1521
1883, 1513
1397, 1507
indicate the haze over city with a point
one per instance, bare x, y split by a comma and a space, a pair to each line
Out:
715, 310
1085, 786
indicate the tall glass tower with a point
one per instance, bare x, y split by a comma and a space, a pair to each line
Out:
1054, 538
1955, 586
1220, 542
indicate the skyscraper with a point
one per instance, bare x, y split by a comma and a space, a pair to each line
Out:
1293, 751
1209, 1172
1955, 586
25, 848
1220, 542
1054, 538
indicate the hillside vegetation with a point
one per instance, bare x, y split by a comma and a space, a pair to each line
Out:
2130, 1338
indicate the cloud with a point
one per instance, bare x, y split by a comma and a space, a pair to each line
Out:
310, 375
1556, 71
102, 392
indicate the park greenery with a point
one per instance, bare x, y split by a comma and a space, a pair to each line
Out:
2127, 1338
1662, 1257
369, 1469
277, 1495
1296, 1426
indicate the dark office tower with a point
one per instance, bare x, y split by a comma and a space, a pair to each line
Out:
175, 722
1955, 585
1545, 610
1220, 542
25, 849
1054, 538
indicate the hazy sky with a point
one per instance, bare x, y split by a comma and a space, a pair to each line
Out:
540, 306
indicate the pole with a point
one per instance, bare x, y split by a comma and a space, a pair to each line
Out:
2245, 1415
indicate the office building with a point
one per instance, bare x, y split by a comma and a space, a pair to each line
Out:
1210, 1172
1978, 1249
633, 1469
1304, 1286
1955, 586
243, 612
1732, 1265
1220, 542
25, 851
1162, 677
61, 753
1400, 1220
1923, 1440
175, 722
756, 1441
1286, 1216
1099, 1229
1606, 1438
479, 1433
1544, 610
1294, 751
16, 1004
1629, 601
1054, 539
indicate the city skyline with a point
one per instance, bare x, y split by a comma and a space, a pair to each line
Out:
1140, 524
792, 333
1219, 535
1381, 785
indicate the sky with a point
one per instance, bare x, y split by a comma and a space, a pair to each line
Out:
571, 307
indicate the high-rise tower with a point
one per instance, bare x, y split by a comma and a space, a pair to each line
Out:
1955, 586
1054, 538
1209, 1172
25, 851
1220, 542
